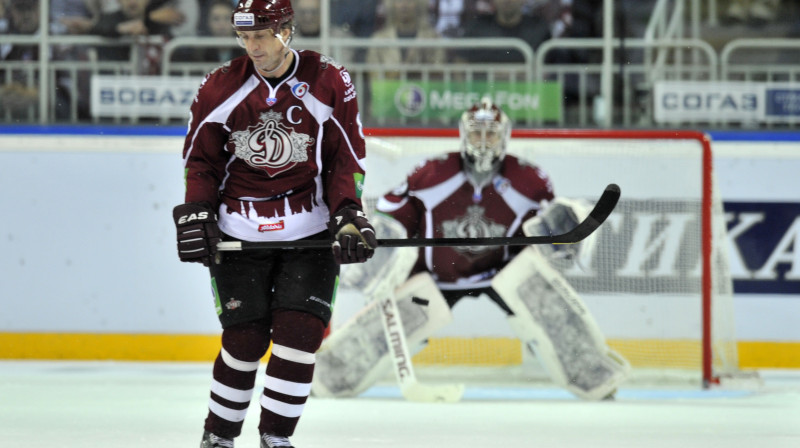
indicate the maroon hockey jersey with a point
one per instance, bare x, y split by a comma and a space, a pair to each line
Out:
277, 161
438, 200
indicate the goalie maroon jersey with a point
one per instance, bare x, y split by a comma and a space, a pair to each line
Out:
265, 155
437, 200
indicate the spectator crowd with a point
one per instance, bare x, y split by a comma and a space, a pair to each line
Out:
532, 20
146, 25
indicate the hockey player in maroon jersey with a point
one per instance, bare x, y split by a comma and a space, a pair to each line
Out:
274, 152
483, 192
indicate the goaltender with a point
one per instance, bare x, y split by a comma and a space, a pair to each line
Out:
483, 192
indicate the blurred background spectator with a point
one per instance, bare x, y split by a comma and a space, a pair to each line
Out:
557, 13
181, 17
3, 20
218, 19
507, 20
405, 19
65, 16
66, 9
98, 7
19, 85
307, 16
152, 22
75, 22
217, 23
754, 12
19, 89
449, 15
357, 17
128, 20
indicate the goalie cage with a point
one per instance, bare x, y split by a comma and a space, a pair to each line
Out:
655, 275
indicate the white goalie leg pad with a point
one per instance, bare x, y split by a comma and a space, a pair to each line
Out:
355, 356
550, 317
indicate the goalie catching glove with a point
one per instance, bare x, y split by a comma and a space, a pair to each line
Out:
198, 233
354, 237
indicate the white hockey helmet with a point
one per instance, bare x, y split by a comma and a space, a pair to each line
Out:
484, 131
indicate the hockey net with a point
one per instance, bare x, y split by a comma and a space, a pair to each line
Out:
655, 275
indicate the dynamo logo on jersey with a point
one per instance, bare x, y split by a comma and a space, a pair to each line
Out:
244, 19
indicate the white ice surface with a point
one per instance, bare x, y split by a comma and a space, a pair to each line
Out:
162, 405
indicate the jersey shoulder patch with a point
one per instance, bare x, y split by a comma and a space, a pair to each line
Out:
329, 78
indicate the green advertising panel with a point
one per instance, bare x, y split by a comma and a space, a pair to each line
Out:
522, 101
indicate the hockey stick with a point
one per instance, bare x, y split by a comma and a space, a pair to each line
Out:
604, 206
411, 389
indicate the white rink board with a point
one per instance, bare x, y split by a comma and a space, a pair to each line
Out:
88, 241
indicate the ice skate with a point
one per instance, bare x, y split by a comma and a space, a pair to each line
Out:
214, 441
268, 441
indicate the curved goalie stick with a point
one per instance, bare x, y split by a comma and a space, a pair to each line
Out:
604, 206
410, 387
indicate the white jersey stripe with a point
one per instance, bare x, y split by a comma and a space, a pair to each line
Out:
235, 364
281, 408
231, 394
291, 354
386, 206
231, 415
223, 111
287, 387
349, 145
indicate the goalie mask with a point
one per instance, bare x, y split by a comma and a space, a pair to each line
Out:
484, 131
254, 15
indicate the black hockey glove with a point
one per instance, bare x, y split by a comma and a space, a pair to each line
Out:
198, 233
354, 237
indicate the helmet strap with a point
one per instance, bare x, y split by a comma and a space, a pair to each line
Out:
280, 64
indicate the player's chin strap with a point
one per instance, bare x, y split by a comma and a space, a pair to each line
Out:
285, 55
285, 43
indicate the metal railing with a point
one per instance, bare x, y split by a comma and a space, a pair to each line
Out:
691, 59
363, 73
635, 81
784, 66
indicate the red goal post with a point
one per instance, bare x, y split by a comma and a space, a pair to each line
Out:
402, 144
